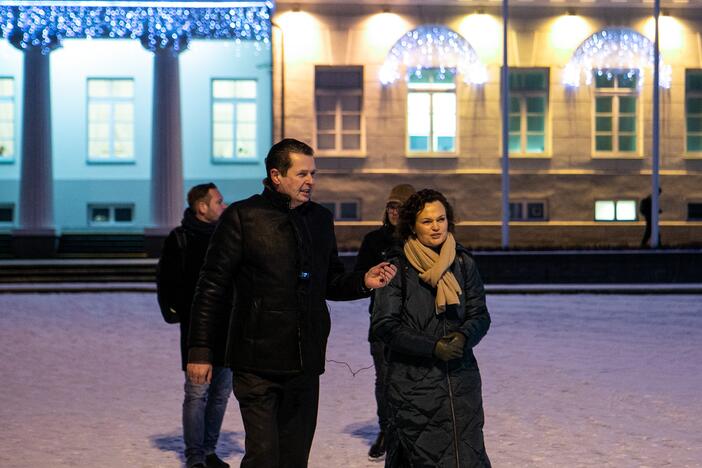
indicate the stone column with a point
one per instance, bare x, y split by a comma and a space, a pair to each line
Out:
167, 154
36, 235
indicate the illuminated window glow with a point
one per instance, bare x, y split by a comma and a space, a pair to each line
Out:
7, 119
431, 112
615, 210
233, 119
110, 120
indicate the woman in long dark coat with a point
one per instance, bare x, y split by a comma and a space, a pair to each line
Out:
430, 317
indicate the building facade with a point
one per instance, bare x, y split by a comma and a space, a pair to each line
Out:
411, 92
104, 124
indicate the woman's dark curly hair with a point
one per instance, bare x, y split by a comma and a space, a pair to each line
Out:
415, 204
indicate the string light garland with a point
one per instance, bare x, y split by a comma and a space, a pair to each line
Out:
156, 24
614, 50
432, 46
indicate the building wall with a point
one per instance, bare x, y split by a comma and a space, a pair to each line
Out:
79, 182
568, 176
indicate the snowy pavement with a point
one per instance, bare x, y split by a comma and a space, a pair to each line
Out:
568, 381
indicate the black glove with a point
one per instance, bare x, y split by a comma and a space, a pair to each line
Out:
450, 346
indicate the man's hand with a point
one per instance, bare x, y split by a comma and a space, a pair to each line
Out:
199, 373
380, 275
450, 346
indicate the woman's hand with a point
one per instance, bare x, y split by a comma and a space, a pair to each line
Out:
450, 346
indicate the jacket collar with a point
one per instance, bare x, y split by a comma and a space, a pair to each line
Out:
193, 224
278, 199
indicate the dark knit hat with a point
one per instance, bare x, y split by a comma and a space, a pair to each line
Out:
400, 193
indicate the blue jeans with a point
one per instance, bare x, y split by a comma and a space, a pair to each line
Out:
203, 411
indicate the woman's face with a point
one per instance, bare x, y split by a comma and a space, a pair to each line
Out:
431, 224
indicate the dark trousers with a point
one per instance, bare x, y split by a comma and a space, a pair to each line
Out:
377, 349
280, 416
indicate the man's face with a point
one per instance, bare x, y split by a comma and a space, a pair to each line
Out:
393, 210
211, 209
299, 180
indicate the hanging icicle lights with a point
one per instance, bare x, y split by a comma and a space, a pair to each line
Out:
432, 46
614, 50
158, 24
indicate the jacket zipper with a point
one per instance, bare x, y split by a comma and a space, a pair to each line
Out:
453, 410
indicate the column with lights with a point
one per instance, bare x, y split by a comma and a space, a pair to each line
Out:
36, 235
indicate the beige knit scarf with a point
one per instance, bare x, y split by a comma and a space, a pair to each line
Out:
433, 269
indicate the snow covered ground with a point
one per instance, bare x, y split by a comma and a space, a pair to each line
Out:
568, 381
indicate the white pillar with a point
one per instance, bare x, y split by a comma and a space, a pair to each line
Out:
167, 153
36, 204
36, 235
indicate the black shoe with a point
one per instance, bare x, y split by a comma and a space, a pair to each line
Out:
213, 461
377, 450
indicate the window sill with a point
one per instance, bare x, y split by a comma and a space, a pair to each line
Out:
218, 161
617, 156
7, 160
530, 156
109, 162
432, 155
341, 154
692, 156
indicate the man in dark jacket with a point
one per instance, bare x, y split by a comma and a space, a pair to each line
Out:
178, 271
275, 255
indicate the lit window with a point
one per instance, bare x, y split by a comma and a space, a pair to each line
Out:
110, 119
616, 112
110, 215
339, 109
431, 112
7, 119
6, 214
346, 210
693, 110
528, 96
527, 210
234, 119
615, 210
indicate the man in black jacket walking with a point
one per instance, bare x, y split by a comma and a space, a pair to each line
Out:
275, 254
183, 253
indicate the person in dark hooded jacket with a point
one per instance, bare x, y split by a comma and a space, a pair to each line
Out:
178, 270
430, 317
374, 249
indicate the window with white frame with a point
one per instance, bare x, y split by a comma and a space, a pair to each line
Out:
110, 119
344, 210
528, 111
616, 112
7, 214
431, 112
615, 210
234, 119
527, 210
110, 215
339, 109
693, 111
7, 119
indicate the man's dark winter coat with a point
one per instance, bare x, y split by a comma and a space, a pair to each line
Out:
280, 264
435, 408
177, 274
